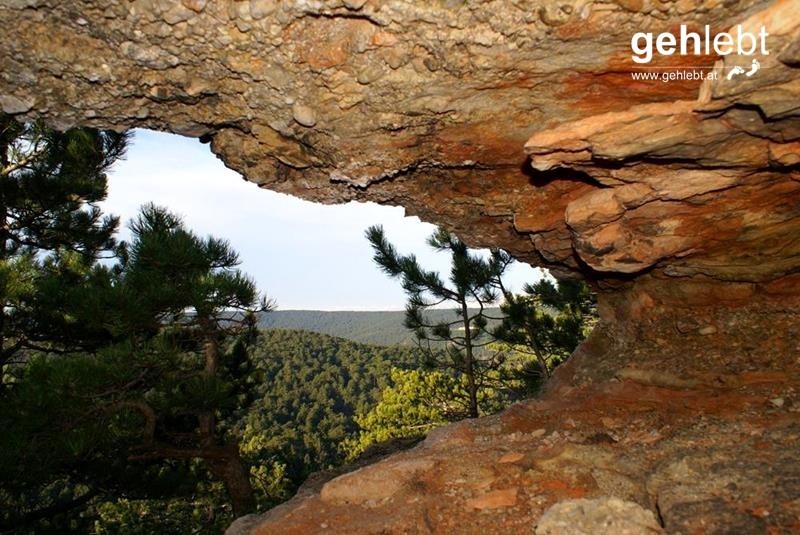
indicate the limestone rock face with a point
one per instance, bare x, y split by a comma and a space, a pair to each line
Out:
516, 124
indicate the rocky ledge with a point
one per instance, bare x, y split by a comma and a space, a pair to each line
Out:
678, 448
631, 456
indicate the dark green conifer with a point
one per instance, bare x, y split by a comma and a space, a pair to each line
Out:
475, 283
51, 233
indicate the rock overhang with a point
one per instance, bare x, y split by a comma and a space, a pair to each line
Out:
429, 105
515, 124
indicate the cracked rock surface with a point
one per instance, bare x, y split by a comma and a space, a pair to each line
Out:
516, 124
634, 456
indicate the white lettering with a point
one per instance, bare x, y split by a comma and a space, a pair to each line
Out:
723, 40
685, 39
743, 43
666, 44
763, 34
741, 38
647, 51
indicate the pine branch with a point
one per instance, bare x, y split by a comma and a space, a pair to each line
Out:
59, 508
145, 410
35, 154
157, 452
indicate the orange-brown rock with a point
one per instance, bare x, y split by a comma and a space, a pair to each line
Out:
429, 105
516, 124
494, 499
635, 455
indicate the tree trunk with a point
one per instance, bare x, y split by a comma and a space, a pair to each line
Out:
229, 469
472, 389
211, 353
537, 350
542, 362
236, 478
206, 420
224, 463
3, 240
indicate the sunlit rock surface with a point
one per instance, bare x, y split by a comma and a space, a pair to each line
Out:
430, 104
714, 458
516, 124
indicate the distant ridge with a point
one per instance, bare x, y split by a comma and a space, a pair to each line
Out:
384, 328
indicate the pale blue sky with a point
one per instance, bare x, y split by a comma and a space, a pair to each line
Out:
305, 255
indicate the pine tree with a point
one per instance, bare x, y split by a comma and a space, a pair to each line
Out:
185, 293
548, 321
475, 282
151, 404
51, 232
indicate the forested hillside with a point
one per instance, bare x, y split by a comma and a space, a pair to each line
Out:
307, 389
383, 328
297, 406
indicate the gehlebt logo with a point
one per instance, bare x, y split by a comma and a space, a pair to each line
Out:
645, 45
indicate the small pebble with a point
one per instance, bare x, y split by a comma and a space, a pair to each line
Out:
195, 5
304, 115
354, 4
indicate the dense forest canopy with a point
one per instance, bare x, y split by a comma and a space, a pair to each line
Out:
383, 328
309, 389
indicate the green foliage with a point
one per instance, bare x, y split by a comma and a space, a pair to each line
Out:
309, 389
51, 184
547, 322
169, 274
196, 506
304, 393
51, 233
490, 361
145, 405
414, 403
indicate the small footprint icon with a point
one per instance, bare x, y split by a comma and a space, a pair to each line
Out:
754, 68
735, 71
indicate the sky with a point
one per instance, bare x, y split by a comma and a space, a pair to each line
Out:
304, 255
